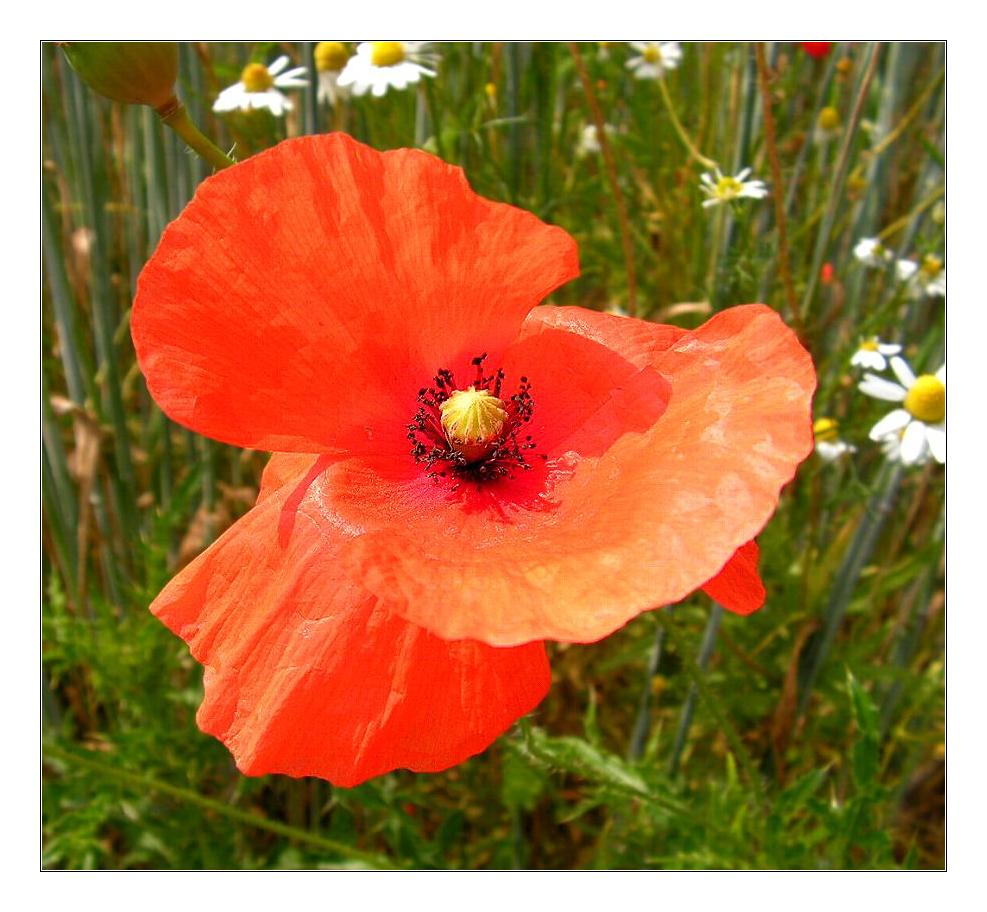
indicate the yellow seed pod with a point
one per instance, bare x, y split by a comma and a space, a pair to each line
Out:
472, 420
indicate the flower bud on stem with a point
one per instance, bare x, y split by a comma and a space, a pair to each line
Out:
174, 115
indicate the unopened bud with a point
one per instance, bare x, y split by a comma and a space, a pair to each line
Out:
133, 72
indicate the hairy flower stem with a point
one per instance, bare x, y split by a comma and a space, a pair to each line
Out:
642, 725
689, 707
174, 115
861, 548
713, 705
618, 197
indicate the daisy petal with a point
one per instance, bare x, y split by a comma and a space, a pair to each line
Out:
913, 443
307, 675
879, 388
890, 424
903, 372
935, 434
278, 65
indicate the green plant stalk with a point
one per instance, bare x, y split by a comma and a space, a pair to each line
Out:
712, 702
680, 130
859, 552
839, 176
142, 783
174, 116
689, 707
642, 724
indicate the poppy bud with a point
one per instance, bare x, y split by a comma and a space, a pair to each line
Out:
817, 49
134, 72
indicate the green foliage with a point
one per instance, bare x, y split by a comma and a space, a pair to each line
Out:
817, 738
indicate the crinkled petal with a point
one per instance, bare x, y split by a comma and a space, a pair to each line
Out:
738, 587
309, 675
305, 295
578, 546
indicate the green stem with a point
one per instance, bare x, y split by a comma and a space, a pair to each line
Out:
680, 130
698, 678
147, 784
174, 115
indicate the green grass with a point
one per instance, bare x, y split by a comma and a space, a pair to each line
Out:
816, 739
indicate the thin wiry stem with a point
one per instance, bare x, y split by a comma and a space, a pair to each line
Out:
680, 130
611, 169
781, 222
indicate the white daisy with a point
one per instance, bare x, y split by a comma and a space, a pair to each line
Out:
259, 87
380, 65
655, 57
721, 188
828, 125
871, 252
928, 279
873, 354
589, 140
921, 422
829, 447
330, 58
891, 447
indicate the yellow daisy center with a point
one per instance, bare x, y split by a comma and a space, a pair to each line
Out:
869, 345
256, 77
829, 119
386, 53
728, 187
931, 266
652, 54
926, 400
472, 420
330, 56
826, 429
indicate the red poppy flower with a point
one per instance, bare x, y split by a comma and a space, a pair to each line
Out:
461, 474
817, 49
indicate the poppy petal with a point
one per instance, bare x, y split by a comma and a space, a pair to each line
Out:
738, 587
308, 675
599, 539
637, 341
304, 296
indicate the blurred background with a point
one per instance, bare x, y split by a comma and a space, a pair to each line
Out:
808, 735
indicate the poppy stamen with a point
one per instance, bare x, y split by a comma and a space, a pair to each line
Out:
471, 433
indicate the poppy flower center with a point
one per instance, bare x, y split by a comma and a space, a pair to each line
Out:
256, 77
330, 56
472, 433
926, 400
386, 53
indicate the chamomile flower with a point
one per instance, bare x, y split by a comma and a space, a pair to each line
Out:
873, 354
828, 125
330, 58
654, 58
927, 278
381, 65
259, 87
871, 252
921, 422
589, 140
829, 447
721, 188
